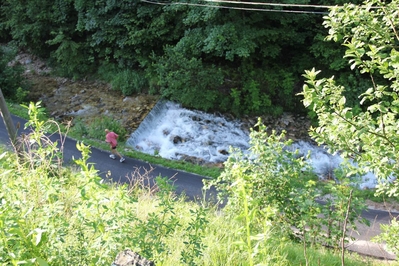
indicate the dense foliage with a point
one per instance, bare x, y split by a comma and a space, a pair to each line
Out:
11, 81
367, 135
51, 215
274, 177
235, 63
209, 57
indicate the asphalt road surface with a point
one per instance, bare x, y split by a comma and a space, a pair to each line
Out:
189, 184
184, 182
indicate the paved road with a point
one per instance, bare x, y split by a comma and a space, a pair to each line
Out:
191, 184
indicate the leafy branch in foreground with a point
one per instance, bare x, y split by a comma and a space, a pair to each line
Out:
368, 136
274, 177
55, 216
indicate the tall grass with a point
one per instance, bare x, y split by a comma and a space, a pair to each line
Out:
92, 133
75, 219
70, 216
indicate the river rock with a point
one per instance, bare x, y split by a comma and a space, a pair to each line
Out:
130, 258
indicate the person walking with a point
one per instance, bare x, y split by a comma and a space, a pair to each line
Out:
111, 138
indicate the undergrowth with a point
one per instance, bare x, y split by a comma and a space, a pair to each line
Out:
53, 215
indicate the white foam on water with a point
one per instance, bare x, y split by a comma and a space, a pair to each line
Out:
172, 132
181, 132
324, 163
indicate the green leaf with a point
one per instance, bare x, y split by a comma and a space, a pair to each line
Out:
42, 262
342, 101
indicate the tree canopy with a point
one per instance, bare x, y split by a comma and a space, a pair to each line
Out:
218, 56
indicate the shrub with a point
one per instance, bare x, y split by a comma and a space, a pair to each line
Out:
129, 82
273, 176
94, 128
188, 80
11, 80
68, 217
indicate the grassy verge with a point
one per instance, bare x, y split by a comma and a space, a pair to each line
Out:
92, 134
81, 134
58, 216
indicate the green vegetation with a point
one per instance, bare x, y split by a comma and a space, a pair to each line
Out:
368, 132
274, 178
210, 58
52, 215
91, 133
127, 81
94, 129
11, 81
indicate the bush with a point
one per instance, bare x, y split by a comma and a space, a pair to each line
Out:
128, 81
55, 216
94, 129
11, 80
273, 176
188, 81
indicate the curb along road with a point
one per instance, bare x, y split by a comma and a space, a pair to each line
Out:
191, 185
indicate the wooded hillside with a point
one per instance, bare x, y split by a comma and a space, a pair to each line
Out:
229, 57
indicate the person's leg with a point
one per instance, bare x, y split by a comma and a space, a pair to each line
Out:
113, 153
117, 153
120, 156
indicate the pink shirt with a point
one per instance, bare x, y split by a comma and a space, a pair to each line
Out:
111, 138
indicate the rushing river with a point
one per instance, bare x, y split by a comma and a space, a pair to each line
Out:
172, 132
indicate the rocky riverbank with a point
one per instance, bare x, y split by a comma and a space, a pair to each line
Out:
66, 98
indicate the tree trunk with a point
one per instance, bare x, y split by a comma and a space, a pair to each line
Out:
12, 132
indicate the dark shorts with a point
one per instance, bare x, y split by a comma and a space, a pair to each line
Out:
114, 147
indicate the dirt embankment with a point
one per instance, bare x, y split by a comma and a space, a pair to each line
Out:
65, 98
